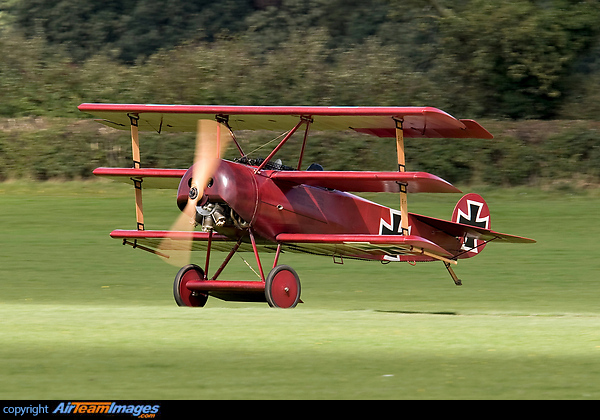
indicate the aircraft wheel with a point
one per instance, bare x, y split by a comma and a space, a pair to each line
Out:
282, 287
184, 296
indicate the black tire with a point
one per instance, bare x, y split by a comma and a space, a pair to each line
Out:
183, 296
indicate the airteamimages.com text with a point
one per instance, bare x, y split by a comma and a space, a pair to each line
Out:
84, 407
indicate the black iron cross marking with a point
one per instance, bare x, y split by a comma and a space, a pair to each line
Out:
473, 219
395, 230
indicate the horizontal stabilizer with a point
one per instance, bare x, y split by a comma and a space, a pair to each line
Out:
459, 230
358, 181
152, 178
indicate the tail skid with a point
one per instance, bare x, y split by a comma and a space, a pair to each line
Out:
457, 281
471, 220
471, 210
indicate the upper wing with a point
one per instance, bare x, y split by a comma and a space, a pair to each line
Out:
367, 181
378, 121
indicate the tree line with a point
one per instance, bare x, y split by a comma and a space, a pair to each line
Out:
504, 62
516, 59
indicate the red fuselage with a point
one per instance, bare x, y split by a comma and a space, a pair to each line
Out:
276, 207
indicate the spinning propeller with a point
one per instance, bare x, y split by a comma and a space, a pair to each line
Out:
212, 139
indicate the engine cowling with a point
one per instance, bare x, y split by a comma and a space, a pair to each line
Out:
229, 200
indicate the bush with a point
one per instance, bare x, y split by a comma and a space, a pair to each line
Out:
575, 151
522, 153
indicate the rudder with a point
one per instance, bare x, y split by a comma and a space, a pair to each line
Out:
472, 210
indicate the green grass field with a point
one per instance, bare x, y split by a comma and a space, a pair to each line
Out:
83, 317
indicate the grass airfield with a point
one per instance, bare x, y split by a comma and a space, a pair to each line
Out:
86, 318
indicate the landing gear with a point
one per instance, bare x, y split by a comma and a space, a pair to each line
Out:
183, 295
282, 287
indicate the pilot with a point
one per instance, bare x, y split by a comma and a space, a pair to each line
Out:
315, 167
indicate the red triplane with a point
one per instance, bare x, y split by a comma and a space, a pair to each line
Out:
259, 205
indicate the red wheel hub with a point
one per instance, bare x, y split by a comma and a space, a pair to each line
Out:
282, 287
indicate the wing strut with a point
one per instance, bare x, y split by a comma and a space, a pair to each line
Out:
308, 122
402, 168
290, 133
224, 119
137, 182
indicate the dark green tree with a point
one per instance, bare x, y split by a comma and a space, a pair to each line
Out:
512, 58
127, 29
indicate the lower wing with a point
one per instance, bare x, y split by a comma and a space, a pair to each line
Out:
372, 247
364, 246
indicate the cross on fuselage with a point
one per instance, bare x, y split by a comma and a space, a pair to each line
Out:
396, 219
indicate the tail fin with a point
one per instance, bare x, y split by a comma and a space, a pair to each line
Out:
472, 210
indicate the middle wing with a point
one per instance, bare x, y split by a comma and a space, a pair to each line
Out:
153, 178
359, 181
355, 181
